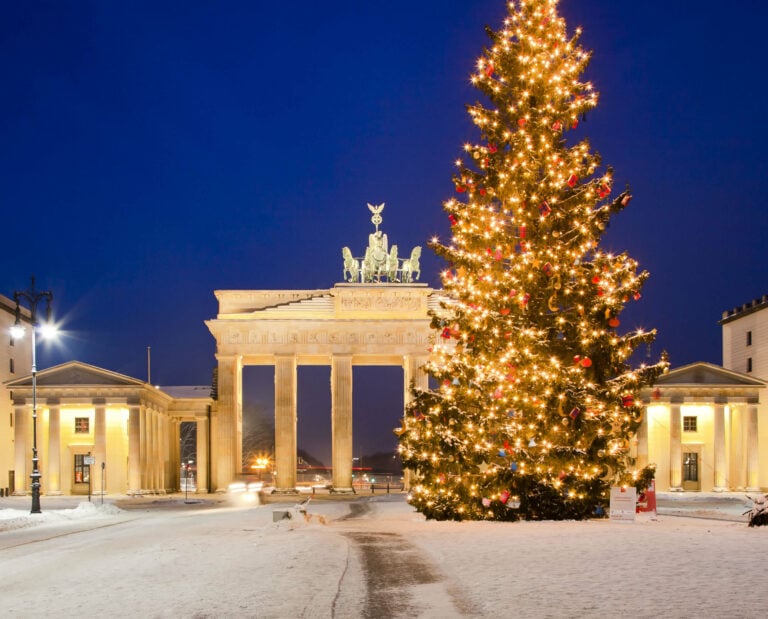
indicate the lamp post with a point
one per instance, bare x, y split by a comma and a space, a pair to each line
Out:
33, 297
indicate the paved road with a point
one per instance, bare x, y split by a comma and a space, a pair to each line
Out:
399, 581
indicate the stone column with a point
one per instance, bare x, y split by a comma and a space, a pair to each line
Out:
413, 375
163, 445
642, 441
174, 461
20, 432
227, 463
341, 421
413, 372
134, 449
151, 449
99, 445
753, 463
54, 449
675, 449
285, 423
721, 463
144, 441
202, 431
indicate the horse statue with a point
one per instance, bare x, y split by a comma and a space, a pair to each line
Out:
393, 264
376, 257
411, 267
351, 266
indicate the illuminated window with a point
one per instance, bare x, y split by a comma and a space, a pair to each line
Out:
749, 364
690, 423
749, 338
82, 425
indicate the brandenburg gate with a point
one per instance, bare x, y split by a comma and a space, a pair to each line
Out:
378, 316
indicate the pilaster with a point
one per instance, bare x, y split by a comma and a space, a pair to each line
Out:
720, 463
54, 449
753, 462
675, 449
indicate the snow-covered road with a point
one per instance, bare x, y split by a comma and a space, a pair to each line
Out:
371, 557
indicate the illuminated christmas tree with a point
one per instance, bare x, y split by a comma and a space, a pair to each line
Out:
536, 400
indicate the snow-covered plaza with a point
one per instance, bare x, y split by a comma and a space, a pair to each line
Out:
372, 557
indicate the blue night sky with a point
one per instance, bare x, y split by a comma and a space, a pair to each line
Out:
153, 152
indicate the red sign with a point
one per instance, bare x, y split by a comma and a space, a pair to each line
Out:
646, 501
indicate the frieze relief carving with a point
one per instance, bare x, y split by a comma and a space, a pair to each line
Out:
384, 301
262, 341
334, 338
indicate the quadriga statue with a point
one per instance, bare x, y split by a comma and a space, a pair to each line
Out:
411, 267
351, 265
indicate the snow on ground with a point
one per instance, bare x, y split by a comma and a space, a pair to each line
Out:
374, 557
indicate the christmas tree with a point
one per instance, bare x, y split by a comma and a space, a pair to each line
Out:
536, 398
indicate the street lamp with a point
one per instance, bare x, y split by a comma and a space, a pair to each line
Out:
33, 297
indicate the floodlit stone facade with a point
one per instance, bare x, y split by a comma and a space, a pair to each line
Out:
745, 338
350, 324
704, 429
128, 427
15, 361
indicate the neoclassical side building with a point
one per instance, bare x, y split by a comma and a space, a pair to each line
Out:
128, 427
705, 429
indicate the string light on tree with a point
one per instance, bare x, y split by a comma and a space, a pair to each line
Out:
535, 405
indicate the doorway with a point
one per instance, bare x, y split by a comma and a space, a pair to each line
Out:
81, 474
691, 468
